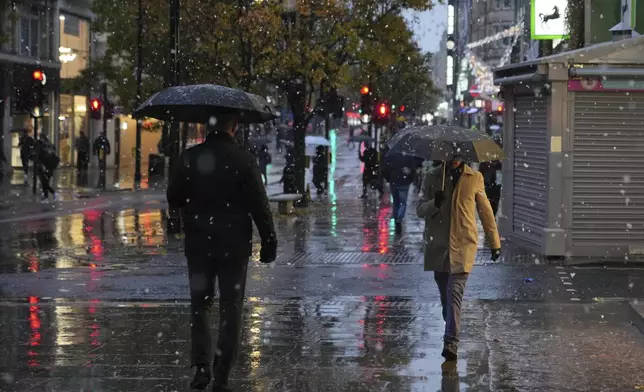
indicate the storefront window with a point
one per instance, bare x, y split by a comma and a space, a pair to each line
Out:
73, 52
71, 122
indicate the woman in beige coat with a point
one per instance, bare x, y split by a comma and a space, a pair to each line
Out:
449, 202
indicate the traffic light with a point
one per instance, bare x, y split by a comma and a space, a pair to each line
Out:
95, 105
402, 108
383, 113
38, 75
365, 100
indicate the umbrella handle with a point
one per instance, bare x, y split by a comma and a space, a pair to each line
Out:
444, 163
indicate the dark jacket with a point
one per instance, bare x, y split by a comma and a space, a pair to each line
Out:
371, 165
102, 143
218, 187
26, 144
399, 170
82, 145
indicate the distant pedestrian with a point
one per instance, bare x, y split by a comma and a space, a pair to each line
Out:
26, 144
399, 170
48, 161
219, 190
320, 169
371, 173
264, 158
288, 174
492, 187
452, 193
82, 152
102, 149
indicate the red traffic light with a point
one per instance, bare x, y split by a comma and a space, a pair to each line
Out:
38, 75
383, 109
402, 108
95, 105
364, 90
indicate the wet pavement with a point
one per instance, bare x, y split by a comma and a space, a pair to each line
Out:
93, 297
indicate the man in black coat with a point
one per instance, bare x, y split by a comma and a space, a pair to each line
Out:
399, 170
218, 187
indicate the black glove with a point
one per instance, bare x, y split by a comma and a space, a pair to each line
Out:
496, 253
268, 252
439, 198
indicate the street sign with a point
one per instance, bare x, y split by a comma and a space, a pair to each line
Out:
474, 91
548, 19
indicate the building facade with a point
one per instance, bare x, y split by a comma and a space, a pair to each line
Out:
53, 36
489, 18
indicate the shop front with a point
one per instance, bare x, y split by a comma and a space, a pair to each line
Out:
74, 55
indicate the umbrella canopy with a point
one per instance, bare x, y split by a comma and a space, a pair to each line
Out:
442, 143
201, 103
316, 141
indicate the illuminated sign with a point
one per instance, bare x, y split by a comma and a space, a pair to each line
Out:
548, 19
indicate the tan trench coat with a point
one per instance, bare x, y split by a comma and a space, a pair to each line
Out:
451, 233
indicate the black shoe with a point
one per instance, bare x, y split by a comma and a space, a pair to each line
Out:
398, 227
201, 379
450, 351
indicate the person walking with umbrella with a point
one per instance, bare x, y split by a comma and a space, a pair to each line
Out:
399, 170
218, 187
26, 144
371, 172
452, 194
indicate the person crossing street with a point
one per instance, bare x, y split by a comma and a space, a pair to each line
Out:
219, 189
452, 194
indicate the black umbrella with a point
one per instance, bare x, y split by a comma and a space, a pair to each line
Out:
201, 103
442, 143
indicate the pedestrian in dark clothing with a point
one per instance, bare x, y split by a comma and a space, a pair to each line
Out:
288, 174
102, 149
219, 190
82, 152
492, 187
320, 169
452, 196
399, 171
371, 173
264, 158
47, 162
26, 145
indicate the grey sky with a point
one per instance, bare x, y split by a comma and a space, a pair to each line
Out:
429, 26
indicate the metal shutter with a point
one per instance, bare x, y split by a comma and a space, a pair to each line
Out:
608, 170
530, 169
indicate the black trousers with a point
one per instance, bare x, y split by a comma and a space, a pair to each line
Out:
45, 177
231, 275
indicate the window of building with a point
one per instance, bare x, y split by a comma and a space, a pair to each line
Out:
507, 3
71, 25
498, 4
74, 49
29, 36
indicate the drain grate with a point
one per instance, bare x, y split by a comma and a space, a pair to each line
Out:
351, 258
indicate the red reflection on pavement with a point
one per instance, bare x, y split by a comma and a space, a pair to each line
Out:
33, 263
95, 334
34, 324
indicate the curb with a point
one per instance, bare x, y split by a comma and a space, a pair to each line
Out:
636, 314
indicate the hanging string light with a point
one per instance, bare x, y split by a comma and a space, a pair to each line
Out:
511, 32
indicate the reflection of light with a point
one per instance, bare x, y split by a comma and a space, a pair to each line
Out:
34, 324
80, 108
332, 195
